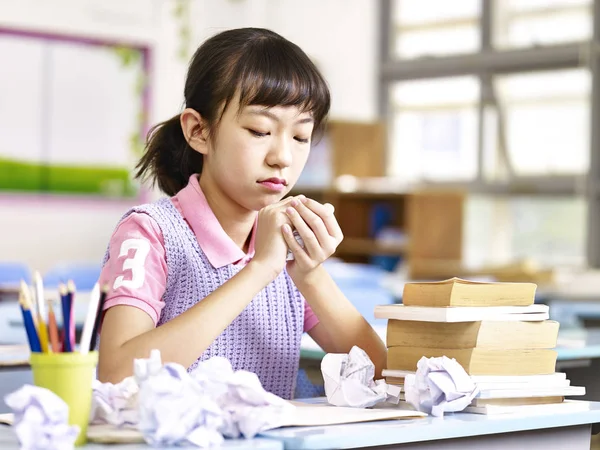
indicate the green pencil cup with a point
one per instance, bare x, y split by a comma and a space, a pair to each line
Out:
70, 376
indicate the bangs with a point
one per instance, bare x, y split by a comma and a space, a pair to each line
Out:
269, 74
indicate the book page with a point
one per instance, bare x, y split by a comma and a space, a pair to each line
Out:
324, 414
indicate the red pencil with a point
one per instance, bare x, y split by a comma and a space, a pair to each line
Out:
53, 329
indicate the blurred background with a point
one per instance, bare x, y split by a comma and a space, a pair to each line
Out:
461, 142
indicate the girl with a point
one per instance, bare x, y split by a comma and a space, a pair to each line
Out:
205, 272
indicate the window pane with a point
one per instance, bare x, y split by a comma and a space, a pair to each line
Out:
435, 92
434, 28
427, 11
532, 22
529, 5
435, 130
437, 41
546, 122
549, 231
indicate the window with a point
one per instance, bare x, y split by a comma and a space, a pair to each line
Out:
545, 122
435, 28
527, 23
435, 129
523, 104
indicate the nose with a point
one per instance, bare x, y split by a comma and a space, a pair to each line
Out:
280, 154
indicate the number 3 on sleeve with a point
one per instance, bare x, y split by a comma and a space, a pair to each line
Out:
135, 263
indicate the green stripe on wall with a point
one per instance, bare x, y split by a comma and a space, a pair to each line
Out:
32, 177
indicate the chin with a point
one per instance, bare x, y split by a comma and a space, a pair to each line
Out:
256, 204
269, 200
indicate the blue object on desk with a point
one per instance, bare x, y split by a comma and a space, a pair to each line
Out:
84, 275
12, 272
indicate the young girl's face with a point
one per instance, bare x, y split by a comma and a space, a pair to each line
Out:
258, 153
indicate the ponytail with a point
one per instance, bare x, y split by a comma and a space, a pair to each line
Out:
168, 161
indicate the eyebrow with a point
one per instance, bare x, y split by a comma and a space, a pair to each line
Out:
270, 115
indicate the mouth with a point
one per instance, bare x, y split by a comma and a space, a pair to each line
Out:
273, 184
281, 181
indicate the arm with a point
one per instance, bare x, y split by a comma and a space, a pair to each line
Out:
129, 333
340, 325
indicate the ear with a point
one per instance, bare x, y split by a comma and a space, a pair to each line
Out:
195, 130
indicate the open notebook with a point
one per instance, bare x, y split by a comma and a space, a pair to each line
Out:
14, 355
305, 415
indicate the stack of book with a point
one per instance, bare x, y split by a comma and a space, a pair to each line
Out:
494, 331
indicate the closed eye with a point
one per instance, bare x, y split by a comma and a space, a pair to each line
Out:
257, 133
303, 141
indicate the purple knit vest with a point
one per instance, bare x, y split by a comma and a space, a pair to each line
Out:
264, 338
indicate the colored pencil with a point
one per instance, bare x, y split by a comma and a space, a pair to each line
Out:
99, 313
41, 311
66, 308
32, 336
53, 329
25, 290
71, 290
90, 319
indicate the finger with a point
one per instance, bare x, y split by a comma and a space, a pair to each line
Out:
311, 243
326, 213
315, 222
282, 203
299, 253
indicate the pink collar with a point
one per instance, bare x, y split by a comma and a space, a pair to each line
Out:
216, 244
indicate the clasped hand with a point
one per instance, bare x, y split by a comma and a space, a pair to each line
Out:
315, 223
317, 226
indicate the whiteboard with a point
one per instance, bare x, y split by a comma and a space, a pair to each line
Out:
72, 113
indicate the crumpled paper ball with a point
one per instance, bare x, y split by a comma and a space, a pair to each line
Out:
41, 419
348, 380
115, 404
439, 385
201, 408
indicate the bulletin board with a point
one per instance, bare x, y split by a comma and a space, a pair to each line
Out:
73, 114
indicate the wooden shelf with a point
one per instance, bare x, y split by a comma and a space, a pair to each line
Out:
358, 246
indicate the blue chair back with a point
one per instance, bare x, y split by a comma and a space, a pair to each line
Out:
84, 275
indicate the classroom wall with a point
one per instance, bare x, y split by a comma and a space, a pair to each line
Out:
45, 230
340, 35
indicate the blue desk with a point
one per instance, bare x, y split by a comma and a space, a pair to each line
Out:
8, 441
557, 431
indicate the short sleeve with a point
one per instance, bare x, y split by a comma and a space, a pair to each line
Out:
136, 270
310, 318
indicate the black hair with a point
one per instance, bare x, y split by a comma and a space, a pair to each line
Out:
258, 64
